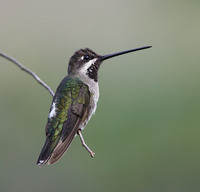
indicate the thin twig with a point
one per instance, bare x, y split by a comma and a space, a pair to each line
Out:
84, 144
13, 60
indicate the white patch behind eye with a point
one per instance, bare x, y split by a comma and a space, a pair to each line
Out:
53, 111
82, 57
88, 64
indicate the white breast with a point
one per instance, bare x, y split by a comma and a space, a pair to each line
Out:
93, 88
94, 97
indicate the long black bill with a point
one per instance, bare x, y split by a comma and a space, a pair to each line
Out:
104, 57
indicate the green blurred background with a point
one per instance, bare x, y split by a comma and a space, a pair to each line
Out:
146, 128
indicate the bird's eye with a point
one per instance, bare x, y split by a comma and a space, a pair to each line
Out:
86, 57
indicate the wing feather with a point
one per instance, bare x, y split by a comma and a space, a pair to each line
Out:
75, 118
69, 130
58, 142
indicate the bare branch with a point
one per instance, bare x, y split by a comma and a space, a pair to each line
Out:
13, 60
84, 144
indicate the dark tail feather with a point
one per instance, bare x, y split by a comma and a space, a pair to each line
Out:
47, 151
53, 151
69, 131
61, 148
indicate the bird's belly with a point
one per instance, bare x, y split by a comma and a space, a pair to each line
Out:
92, 105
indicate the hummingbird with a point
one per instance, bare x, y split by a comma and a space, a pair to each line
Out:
74, 103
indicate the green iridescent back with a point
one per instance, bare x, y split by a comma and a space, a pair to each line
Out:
70, 96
